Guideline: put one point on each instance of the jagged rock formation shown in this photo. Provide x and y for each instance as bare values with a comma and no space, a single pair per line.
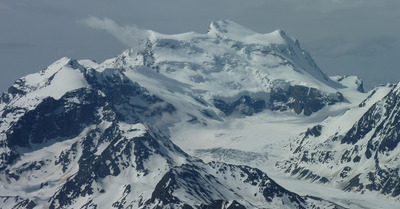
357,151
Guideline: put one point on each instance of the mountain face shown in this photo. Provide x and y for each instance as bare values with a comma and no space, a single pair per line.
358,151
231,70
85,135
95,146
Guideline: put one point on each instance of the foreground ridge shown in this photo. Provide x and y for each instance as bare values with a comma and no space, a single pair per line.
358,155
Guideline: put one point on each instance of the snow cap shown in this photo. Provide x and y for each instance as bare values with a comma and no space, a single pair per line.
227,29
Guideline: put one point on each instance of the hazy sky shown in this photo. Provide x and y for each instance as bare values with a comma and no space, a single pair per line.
345,37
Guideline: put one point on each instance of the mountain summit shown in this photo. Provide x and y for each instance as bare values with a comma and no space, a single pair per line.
230,30
231,62
139,130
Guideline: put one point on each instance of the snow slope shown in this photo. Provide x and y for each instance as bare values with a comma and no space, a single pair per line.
356,151
225,64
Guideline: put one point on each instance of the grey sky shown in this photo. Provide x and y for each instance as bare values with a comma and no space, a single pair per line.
352,37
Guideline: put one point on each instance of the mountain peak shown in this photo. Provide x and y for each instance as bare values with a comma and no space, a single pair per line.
227,26
227,29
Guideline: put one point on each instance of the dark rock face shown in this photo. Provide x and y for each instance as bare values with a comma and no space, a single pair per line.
302,99
245,105
314,131
60,118
53,119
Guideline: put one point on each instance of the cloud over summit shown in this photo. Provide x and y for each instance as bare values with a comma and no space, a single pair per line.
129,35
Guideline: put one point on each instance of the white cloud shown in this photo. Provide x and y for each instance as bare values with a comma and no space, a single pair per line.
129,35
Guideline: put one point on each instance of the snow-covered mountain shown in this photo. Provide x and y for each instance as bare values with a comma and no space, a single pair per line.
94,144
184,121
357,151
230,70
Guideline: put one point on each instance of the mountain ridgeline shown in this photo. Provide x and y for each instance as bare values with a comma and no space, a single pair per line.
80,134
360,155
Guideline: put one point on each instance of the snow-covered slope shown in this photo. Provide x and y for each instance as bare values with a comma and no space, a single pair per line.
357,151
231,69
126,133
